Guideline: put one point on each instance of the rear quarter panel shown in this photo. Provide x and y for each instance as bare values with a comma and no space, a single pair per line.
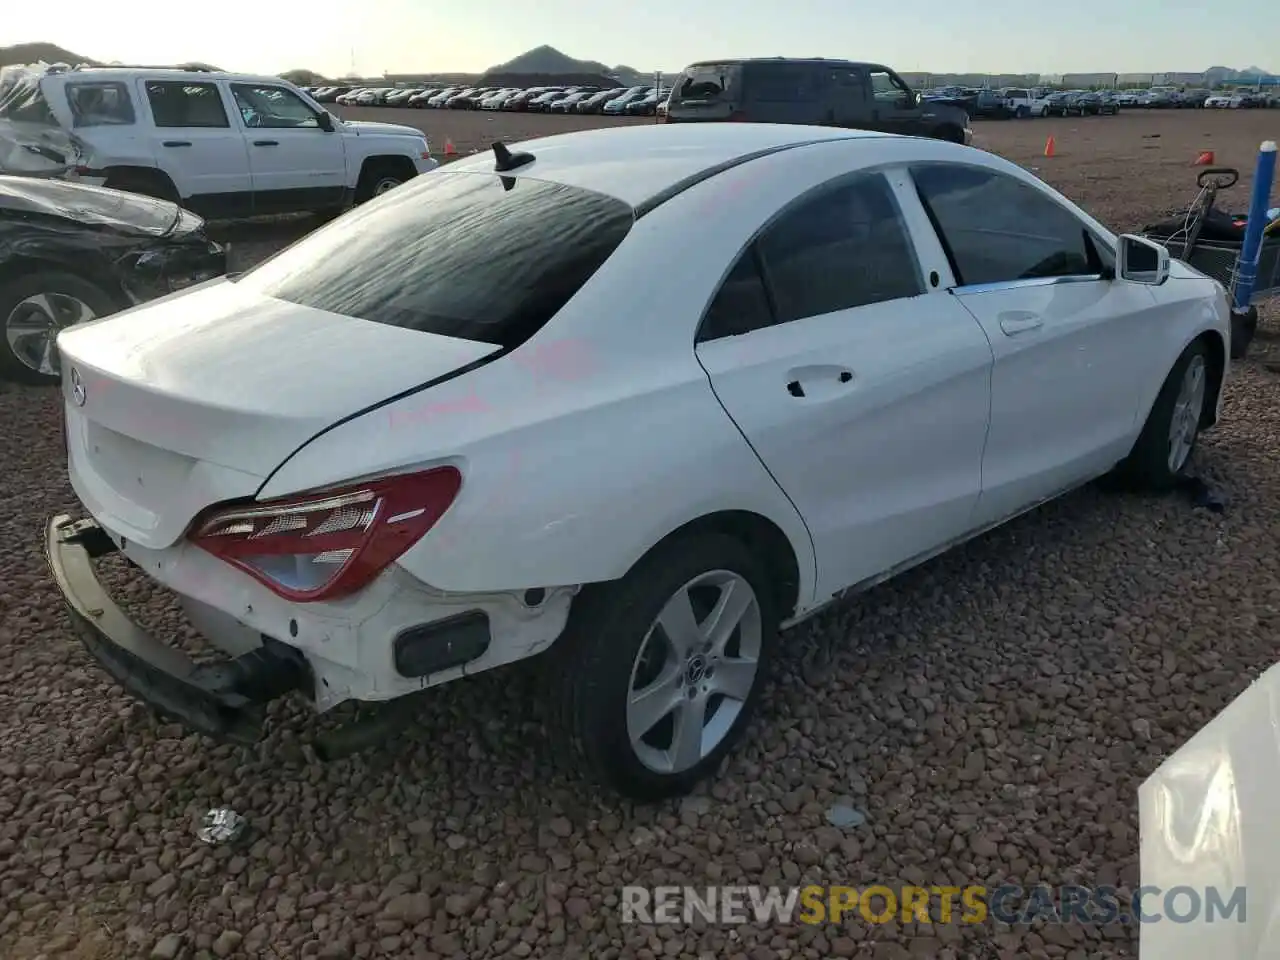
580,450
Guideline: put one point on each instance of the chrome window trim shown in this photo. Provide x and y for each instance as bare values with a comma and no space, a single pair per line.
1024,284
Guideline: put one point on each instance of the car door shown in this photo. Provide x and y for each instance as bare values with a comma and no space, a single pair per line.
894,108
1071,343
194,142
862,388
296,163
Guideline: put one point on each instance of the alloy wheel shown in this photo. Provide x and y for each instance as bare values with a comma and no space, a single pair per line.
33,325
1187,410
694,672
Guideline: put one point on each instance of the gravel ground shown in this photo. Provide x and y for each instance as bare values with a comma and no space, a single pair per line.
992,713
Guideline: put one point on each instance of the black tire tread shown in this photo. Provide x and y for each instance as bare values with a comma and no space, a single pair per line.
1147,467
577,665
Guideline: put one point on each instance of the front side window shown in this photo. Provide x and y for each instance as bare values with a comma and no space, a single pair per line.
272,107
455,254
998,229
843,247
887,88
180,103
99,104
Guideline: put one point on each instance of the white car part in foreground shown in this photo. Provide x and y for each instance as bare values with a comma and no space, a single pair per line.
1208,825
644,393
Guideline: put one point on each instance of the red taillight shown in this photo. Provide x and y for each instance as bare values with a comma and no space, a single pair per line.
328,544
738,116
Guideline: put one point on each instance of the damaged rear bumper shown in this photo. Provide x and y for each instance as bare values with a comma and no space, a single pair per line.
225,701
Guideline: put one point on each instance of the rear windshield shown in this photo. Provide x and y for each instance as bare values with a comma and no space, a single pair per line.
707,82
454,254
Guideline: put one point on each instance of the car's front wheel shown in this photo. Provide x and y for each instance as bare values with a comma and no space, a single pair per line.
658,673
1164,447
34,309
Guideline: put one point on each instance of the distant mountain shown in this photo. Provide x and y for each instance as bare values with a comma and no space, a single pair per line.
548,61
23,53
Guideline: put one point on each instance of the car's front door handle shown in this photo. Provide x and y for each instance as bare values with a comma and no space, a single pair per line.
177,143
1018,321
266,143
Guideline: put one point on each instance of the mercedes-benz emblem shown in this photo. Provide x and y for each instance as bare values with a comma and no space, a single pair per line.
77,388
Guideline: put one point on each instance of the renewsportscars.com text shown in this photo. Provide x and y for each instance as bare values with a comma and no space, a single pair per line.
1010,904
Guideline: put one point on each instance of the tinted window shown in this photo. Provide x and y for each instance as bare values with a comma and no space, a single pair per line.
99,104
783,83
887,88
741,305
706,81
178,103
453,254
999,229
844,247
266,106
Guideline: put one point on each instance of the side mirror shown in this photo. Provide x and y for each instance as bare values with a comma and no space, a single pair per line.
1140,260
325,120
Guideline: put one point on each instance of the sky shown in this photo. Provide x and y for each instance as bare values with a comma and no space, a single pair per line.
403,36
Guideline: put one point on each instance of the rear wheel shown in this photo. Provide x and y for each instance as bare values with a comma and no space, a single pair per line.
658,674
1169,436
34,308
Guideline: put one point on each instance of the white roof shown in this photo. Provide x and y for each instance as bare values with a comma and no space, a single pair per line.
635,163
163,73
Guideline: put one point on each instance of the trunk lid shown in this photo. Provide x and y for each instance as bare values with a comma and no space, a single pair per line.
198,396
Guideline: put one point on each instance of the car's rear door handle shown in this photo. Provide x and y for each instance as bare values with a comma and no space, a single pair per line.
266,143
1014,322
177,143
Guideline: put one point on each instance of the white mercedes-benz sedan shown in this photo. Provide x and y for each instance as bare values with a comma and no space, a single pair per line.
636,398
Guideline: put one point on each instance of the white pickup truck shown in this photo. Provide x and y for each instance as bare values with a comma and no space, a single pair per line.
223,145
1023,102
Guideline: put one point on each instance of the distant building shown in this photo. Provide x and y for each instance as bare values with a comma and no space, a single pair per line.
1084,80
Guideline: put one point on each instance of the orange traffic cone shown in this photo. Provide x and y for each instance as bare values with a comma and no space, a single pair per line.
1049,147
449,149
1204,160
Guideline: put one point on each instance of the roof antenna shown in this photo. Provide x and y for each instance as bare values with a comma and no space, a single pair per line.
508,160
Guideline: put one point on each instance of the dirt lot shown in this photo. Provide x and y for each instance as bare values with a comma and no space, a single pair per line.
992,714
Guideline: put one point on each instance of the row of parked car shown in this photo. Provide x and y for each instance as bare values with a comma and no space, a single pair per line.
619,101
1041,102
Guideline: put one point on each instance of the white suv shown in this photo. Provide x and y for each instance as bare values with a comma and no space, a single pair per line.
226,145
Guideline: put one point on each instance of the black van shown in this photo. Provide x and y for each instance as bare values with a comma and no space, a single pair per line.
835,93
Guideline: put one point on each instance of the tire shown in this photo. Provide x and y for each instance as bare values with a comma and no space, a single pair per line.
1022,113
1153,464
154,185
377,178
71,299
1044,111
613,640
949,134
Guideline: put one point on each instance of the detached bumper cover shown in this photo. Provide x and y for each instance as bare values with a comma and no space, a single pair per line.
206,698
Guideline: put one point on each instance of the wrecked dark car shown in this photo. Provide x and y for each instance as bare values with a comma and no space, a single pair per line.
70,253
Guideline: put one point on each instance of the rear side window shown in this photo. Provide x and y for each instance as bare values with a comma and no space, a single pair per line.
454,254
707,82
742,303
784,83
842,248
99,104
178,103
